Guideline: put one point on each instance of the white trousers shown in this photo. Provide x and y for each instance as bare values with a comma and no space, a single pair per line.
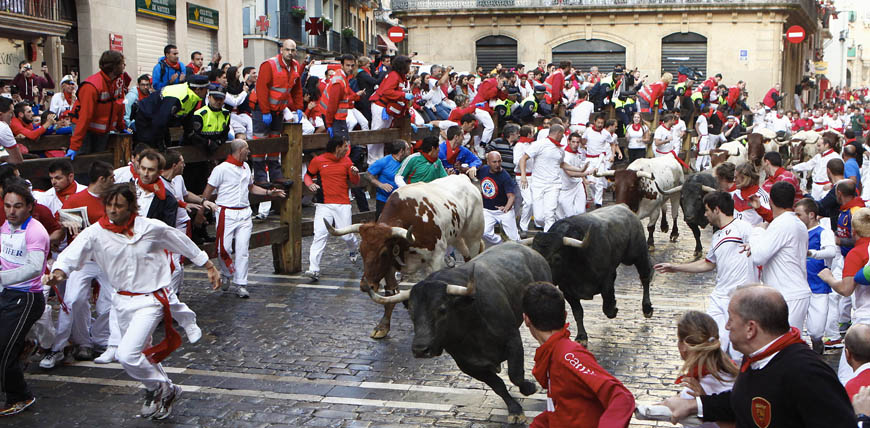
523,207
354,118
340,214
818,191
817,315
137,318
836,303
703,162
717,308
236,240
242,124
797,312
545,202
76,326
844,371
508,223
485,119
572,201
378,122
43,329
597,184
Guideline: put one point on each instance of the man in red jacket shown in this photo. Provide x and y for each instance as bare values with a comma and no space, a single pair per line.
279,86
99,107
734,94
327,176
339,98
22,123
772,165
579,391
489,90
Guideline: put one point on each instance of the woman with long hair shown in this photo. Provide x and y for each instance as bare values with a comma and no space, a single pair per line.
638,136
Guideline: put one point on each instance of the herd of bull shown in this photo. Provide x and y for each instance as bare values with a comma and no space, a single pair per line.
474,311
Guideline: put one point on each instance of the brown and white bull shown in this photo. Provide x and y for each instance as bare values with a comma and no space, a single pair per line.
641,186
419,222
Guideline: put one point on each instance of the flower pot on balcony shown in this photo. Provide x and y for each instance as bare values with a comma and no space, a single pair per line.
297,12
347,32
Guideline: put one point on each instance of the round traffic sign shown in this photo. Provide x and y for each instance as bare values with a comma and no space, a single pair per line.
396,34
795,34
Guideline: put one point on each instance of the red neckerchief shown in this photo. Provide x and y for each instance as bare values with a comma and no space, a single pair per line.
596,129
157,188
732,188
142,95
176,67
70,190
827,152
570,150
746,192
451,154
194,68
637,126
693,372
431,159
666,127
793,336
133,172
524,140
555,142
854,203
232,160
68,98
779,171
779,116
123,229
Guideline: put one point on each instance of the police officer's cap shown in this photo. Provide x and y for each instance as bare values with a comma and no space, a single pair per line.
540,89
215,90
198,81
513,90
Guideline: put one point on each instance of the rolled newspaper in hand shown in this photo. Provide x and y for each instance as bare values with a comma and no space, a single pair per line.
659,412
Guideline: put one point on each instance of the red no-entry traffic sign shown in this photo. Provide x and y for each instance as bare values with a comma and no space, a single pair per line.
795,34
396,34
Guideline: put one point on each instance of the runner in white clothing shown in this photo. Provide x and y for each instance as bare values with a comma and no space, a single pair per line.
663,138
549,158
818,164
781,251
701,127
572,196
596,139
523,208
733,268
581,112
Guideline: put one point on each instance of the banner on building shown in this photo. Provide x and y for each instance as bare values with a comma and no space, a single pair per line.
821,67
11,53
159,8
202,16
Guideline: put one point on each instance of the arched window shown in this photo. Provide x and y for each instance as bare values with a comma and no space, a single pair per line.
585,54
684,49
494,50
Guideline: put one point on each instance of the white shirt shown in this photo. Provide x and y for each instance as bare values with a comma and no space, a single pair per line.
581,112
744,211
124,174
596,142
58,104
733,268
519,151
679,129
548,162
635,138
7,138
144,200
832,122
818,164
50,200
573,159
666,135
701,126
781,251
435,95
177,187
780,124
136,264
232,184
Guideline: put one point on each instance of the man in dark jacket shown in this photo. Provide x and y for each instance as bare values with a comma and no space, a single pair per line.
782,382
364,81
29,84
152,195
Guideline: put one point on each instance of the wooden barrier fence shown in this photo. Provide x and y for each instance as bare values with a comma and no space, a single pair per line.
284,236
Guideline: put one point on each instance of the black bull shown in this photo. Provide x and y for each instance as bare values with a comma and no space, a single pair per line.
477,322
610,236
692,194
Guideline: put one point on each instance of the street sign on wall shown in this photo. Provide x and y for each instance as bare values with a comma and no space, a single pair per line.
159,8
116,42
202,16
795,34
396,34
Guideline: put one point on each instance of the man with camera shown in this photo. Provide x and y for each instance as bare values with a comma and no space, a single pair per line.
30,84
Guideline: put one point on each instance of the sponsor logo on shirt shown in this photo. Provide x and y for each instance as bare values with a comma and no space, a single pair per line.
761,412
573,361
489,188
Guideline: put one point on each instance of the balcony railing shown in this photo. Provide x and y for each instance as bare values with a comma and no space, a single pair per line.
352,45
44,9
809,6
291,28
334,41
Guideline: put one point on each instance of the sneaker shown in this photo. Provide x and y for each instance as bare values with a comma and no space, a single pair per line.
844,327
225,283
831,343
242,292
39,354
259,216
450,260
314,275
354,256
171,393
16,408
818,346
194,333
151,404
108,356
84,353
51,359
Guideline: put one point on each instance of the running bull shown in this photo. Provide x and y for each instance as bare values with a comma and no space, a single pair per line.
478,322
583,268
418,223
692,194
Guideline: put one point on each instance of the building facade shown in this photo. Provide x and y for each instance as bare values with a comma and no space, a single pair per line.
741,39
34,31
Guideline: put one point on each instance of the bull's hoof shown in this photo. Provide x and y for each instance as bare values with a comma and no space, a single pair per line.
582,339
674,238
611,312
647,311
665,228
698,254
651,247
516,419
528,388
380,332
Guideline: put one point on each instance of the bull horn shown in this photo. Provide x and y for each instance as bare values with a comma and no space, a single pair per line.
406,234
607,173
673,190
646,174
526,242
467,290
576,243
386,300
354,228
707,189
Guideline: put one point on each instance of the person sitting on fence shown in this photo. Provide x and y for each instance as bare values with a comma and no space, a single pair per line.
63,100
170,107
99,106
23,125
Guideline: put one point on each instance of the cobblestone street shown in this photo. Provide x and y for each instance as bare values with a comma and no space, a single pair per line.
298,354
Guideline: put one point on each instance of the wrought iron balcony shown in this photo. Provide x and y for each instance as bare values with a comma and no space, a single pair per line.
809,6
38,17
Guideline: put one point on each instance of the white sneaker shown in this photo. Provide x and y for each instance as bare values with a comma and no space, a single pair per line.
108,356
242,292
152,402
354,256
170,394
194,333
314,275
51,359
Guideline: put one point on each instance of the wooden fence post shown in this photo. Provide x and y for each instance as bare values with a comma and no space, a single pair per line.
652,130
405,131
287,256
121,148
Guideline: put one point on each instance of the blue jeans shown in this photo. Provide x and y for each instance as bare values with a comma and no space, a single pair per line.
442,111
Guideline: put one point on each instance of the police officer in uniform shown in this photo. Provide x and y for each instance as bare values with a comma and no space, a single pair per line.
172,106
504,107
211,123
524,111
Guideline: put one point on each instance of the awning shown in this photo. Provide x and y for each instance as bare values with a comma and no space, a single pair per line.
385,43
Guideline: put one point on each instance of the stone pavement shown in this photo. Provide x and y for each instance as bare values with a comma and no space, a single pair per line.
298,354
